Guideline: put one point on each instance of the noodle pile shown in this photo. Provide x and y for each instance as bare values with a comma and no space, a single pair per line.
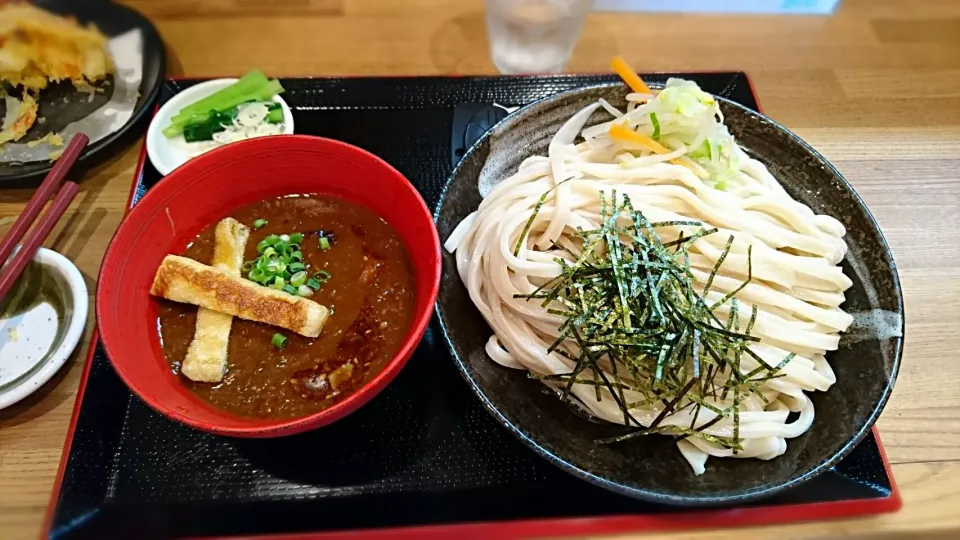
771,265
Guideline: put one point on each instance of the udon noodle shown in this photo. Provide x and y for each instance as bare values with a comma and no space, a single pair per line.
776,256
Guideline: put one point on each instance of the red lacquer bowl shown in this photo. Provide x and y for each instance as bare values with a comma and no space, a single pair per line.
205,190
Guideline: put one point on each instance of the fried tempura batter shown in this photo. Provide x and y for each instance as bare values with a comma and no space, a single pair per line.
38,47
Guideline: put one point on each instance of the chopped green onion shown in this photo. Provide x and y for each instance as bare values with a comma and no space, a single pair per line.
313,284
279,341
304,290
259,223
322,275
298,279
324,243
280,263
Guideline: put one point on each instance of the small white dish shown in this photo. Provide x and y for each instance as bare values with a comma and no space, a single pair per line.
168,154
40,334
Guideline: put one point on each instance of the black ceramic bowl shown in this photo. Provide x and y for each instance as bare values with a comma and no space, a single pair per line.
652,468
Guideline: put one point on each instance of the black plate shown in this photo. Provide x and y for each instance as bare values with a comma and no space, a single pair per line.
424,451
652,468
61,104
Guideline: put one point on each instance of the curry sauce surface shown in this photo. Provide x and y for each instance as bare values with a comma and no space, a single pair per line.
370,294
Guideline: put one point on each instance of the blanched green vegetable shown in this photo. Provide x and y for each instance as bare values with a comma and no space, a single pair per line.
254,86
247,85
275,114
216,122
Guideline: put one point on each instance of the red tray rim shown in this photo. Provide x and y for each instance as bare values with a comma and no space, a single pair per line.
531,528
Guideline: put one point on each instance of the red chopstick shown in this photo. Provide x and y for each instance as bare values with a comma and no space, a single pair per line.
30,244
46,190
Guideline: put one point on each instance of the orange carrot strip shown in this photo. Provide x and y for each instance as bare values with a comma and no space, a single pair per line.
623,134
629,76
620,133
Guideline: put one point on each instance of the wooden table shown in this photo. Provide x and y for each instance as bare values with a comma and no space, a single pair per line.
876,88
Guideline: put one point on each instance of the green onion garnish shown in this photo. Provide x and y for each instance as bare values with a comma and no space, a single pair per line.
259,223
279,341
267,242
280,265
304,290
324,243
298,279
322,275
313,284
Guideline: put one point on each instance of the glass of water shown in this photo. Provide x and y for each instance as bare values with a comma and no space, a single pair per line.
534,36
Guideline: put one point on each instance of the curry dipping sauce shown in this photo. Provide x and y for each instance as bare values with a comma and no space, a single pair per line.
369,291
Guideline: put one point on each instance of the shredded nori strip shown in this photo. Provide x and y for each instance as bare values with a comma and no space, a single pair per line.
632,310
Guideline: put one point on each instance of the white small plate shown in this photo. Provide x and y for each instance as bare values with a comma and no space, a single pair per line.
168,154
35,343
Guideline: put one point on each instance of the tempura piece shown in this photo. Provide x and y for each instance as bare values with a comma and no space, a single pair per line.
184,280
23,117
38,47
206,359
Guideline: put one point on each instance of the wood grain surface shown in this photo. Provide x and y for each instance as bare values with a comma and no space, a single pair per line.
875,88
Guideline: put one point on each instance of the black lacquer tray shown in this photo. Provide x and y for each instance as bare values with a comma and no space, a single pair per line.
423,459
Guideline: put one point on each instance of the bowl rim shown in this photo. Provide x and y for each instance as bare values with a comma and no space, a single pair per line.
644,494
288,426
77,290
155,140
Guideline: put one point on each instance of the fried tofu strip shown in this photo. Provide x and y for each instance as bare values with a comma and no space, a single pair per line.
185,280
206,359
